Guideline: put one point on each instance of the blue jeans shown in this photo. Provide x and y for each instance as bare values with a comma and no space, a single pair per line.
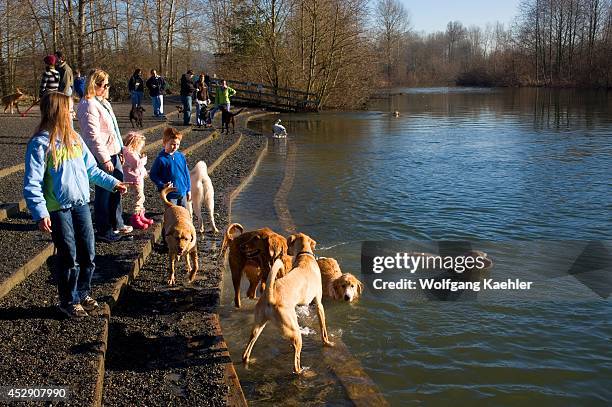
136,98
217,108
158,105
186,109
73,236
180,201
107,206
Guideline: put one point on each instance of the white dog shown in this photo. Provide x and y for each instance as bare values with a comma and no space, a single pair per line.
202,192
278,130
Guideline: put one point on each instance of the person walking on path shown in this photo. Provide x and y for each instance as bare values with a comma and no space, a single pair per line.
202,100
136,88
79,84
100,132
156,85
187,90
50,78
222,98
58,170
66,76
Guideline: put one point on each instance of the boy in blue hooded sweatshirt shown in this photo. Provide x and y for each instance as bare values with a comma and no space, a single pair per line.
170,167
58,170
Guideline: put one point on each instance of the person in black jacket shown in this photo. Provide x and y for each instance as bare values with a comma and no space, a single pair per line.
136,88
156,85
187,90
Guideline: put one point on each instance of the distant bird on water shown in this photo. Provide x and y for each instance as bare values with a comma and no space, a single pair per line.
278,130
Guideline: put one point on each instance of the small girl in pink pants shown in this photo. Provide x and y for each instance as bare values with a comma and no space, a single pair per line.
134,172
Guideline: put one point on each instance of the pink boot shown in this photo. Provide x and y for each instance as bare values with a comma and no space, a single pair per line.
137,222
145,220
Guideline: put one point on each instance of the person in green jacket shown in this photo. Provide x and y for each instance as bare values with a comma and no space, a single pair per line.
222,98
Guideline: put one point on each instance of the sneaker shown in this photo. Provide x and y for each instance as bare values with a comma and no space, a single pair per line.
124,230
89,304
73,310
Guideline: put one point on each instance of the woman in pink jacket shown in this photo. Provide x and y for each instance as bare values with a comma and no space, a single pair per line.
134,175
100,131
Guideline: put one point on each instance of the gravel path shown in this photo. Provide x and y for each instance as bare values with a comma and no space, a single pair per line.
37,346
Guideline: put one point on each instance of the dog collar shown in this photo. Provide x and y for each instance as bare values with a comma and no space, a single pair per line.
300,253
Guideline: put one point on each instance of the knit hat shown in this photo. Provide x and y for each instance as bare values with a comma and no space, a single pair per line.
131,136
50,60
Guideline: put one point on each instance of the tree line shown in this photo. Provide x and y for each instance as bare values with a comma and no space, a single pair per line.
549,43
338,50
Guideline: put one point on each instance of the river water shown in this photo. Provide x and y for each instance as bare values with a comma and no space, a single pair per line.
511,168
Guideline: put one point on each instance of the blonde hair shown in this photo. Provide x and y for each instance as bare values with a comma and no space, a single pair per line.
55,118
97,76
171,133
132,139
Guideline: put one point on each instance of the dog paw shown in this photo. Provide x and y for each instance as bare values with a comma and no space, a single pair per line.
329,344
171,281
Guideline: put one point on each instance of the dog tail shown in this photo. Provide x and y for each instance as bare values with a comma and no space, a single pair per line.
237,113
227,238
276,268
165,192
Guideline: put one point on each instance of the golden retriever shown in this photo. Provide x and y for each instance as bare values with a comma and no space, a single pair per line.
300,287
248,262
180,235
336,285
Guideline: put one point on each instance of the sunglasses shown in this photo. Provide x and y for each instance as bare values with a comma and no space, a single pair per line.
105,86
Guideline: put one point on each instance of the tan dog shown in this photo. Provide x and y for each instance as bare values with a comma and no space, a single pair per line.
300,287
202,192
10,101
248,263
336,285
180,234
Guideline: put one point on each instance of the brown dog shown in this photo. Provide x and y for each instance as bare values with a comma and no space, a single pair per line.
336,285
136,115
180,234
248,263
300,287
10,101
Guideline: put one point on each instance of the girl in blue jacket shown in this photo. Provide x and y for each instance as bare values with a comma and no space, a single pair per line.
58,168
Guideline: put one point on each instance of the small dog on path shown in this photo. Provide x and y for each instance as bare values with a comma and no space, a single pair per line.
136,115
180,235
12,101
202,192
227,117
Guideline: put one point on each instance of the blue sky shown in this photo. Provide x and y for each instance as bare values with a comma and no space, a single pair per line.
433,15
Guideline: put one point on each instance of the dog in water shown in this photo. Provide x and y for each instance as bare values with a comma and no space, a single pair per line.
301,286
136,115
180,235
202,192
338,285
227,117
12,101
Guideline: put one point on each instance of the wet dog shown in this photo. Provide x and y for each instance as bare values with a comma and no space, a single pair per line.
202,192
227,117
301,286
249,263
180,235
136,115
336,285
12,101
